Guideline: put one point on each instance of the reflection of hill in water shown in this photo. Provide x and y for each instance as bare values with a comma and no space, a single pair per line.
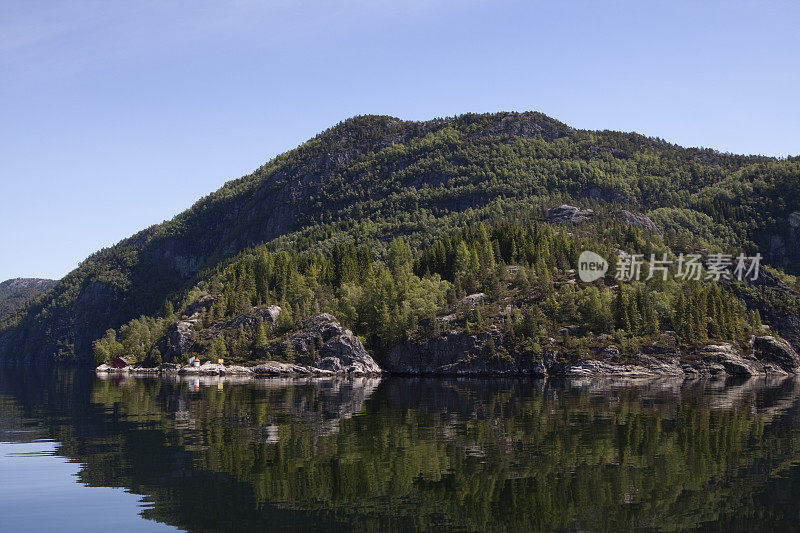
316,403
402,453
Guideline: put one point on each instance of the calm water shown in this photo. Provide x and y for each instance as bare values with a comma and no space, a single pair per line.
79,453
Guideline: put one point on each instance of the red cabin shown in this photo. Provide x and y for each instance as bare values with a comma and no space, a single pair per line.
121,362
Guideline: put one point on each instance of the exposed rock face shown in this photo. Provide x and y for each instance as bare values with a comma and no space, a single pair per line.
180,338
178,341
568,213
203,303
322,344
457,353
787,325
776,354
528,125
337,349
724,359
323,347
789,328
269,314
782,248
473,299
638,220
647,367
213,369
451,353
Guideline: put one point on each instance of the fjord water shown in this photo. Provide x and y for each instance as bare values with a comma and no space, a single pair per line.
207,454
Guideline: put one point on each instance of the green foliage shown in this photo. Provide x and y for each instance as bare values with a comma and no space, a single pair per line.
107,348
260,336
17,293
153,358
135,339
704,311
218,349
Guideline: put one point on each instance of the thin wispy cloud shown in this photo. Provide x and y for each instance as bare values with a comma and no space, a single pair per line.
42,41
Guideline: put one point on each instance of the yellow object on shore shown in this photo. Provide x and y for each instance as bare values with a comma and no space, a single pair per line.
221,361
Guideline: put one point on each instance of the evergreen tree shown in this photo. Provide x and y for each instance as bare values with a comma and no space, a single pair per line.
260,336
289,354
169,310
621,309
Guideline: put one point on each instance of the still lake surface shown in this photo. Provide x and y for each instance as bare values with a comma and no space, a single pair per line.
83,453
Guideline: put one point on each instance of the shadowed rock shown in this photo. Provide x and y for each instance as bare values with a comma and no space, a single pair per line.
332,347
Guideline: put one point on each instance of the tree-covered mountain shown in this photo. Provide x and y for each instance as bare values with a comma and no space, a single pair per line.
389,223
16,293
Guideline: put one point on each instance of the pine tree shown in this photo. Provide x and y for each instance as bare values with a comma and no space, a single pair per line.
479,322
285,321
400,261
634,315
221,348
544,279
289,352
153,358
260,336
215,287
530,324
621,309
523,281
755,321
169,310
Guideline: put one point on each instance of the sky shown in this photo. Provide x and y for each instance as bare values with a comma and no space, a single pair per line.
115,116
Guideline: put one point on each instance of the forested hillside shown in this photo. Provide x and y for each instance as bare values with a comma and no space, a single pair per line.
389,224
16,293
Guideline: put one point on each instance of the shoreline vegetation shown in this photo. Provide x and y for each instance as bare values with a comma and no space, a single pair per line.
341,353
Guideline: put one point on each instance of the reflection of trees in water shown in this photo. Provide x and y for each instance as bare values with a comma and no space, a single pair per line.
419,453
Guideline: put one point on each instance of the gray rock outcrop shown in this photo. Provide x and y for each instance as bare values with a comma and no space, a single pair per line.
450,353
473,299
178,341
637,220
332,347
782,247
203,303
776,355
568,213
461,354
268,313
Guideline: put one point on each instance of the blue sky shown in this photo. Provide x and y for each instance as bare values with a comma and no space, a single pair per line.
118,115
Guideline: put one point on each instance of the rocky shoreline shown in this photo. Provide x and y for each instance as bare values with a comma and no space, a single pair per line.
267,369
324,346
458,354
